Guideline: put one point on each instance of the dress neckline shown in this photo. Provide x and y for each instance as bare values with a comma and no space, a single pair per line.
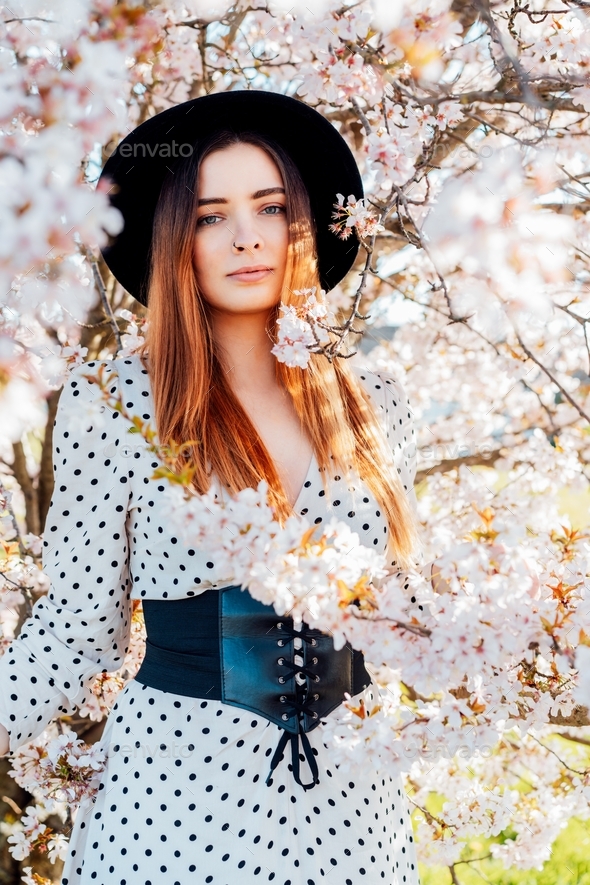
304,488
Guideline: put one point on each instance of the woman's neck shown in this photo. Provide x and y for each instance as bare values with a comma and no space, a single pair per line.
245,350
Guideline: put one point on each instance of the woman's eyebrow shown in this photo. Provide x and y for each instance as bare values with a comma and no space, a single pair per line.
255,196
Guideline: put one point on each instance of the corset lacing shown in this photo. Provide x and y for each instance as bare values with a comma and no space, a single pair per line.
299,704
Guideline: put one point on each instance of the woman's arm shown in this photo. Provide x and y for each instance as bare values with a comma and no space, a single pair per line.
398,422
401,435
82,626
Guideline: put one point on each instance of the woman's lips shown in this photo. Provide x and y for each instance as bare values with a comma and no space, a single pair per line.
250,275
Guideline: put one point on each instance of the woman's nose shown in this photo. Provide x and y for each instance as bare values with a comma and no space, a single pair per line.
246,241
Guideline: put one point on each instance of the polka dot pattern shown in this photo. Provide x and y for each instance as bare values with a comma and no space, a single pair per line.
185,794
183,797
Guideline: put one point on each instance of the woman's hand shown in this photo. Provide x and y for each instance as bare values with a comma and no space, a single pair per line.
439,585
4,741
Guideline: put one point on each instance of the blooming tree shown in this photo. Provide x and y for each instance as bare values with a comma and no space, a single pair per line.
469,123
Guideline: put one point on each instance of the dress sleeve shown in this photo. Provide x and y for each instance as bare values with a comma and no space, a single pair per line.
82,626
401,434
399,421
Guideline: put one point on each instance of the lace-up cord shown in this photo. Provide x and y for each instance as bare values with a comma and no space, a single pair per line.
297,708
297,668
292,633
294,738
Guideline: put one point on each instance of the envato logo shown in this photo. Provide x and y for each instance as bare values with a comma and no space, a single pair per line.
442,150
456,451
167,149
446,751
124,451
140,750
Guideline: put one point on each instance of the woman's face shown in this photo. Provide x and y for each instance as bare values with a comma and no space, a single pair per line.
241,236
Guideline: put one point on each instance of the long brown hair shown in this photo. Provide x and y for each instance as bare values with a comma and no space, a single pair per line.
192,396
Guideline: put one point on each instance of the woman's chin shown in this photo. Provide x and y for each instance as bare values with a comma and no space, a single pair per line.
248,298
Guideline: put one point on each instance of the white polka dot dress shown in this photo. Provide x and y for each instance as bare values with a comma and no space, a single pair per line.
183,798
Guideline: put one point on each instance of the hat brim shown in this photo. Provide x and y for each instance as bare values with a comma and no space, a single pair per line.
322,156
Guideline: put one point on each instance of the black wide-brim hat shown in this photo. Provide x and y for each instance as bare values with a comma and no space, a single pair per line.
324,160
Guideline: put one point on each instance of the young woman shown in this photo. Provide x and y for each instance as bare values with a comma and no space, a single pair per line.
200,785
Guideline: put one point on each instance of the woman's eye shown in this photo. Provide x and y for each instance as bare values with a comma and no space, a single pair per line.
210,220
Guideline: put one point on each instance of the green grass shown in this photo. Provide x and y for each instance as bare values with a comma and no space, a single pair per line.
569,864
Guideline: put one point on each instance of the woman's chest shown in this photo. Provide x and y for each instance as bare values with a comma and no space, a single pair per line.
283,435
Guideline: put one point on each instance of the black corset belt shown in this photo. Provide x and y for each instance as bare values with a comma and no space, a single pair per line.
224,645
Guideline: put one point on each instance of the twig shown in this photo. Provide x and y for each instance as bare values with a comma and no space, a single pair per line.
552,378
99,282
